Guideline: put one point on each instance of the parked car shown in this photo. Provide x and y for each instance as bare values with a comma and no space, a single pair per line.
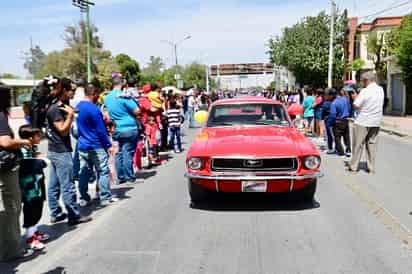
250,144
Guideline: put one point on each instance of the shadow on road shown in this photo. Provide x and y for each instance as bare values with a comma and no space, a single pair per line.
57,270
11,267
258,202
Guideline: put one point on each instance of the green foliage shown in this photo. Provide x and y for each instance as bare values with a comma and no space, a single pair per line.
9,76
404,51
35,60
357,64
377,48
304,49
104,72
71,61
153,70
129,67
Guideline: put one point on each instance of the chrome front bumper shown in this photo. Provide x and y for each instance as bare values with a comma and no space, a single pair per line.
254,178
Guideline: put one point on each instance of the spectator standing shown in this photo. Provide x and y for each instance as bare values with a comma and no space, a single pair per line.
123,112
175,121
369,104
31,178
10,195
339,114
79,96
191,107
94,148
329,97
308,111
319,125
60,118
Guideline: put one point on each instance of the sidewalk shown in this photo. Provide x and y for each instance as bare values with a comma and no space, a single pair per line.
401,126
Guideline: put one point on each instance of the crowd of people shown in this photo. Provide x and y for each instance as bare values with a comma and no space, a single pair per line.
112,132
115,130
327,115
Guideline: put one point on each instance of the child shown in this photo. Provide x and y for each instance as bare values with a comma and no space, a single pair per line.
175,120
31,179
152,133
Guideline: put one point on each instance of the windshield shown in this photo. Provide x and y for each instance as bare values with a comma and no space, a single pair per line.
248,114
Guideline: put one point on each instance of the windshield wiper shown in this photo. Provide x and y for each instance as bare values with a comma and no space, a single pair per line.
268,123
222,124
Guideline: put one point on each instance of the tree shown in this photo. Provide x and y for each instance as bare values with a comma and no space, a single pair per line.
8,76
357,65
304,49
194,75
377,49
404,51
104,72
153,70
128,66
34,60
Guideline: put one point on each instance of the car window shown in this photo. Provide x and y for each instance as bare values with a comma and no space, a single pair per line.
248,114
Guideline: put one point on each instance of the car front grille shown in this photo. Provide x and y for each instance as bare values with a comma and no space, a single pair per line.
267,164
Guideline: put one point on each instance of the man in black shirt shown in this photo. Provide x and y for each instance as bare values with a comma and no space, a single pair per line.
59,119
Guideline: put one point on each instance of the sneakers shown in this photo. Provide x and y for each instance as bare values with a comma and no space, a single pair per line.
331,152
178,151
42,237
109,201
35,244
84,203
135,181
81,220
58,219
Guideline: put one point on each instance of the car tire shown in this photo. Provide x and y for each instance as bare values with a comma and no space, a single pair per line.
197,193
308,193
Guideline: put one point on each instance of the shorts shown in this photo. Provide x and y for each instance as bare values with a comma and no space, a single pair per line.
318,114
309,121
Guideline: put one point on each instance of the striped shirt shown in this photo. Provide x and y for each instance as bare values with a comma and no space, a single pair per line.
174,117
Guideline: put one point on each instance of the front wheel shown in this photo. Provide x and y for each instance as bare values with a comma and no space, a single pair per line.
197,193
308,193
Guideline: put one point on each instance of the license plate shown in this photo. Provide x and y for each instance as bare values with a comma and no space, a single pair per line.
254,186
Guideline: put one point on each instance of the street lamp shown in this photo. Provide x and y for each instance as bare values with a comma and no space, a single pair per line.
174,45
84,6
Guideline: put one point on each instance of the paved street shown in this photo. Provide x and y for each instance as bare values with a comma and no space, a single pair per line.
359,224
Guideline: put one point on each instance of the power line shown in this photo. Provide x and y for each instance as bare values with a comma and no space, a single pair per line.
391,7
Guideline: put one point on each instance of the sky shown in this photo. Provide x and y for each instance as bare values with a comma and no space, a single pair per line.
222,31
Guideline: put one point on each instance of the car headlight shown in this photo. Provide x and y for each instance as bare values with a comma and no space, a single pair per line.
312,162
195,163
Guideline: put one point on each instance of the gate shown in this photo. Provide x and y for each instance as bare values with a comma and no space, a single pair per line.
397,94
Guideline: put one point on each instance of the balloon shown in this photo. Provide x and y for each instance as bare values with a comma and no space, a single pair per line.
201,116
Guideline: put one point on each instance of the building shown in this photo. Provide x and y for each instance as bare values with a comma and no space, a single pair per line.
356,42
356,47
21,89
252,75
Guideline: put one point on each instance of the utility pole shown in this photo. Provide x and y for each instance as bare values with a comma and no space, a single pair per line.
84,6
174,47
331,44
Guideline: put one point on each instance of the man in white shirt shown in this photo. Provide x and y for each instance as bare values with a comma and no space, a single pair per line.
369,104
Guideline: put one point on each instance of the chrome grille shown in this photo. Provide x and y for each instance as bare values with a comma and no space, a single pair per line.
254,164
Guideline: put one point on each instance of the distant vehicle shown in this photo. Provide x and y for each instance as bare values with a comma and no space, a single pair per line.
249,144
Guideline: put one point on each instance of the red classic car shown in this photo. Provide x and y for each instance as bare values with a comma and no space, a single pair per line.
250,144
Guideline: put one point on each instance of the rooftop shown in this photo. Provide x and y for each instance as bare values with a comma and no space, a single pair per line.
19,82
381,22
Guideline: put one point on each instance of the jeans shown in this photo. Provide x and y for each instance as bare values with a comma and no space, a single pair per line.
329,135
174,134
61,181
124,158
10,207
191,117
76,166
99,158
341,129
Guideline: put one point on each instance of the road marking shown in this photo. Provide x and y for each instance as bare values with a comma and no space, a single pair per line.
399,230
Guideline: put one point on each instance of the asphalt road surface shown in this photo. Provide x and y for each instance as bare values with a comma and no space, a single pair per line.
153,229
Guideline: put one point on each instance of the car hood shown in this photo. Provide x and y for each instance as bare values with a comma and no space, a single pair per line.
259,141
